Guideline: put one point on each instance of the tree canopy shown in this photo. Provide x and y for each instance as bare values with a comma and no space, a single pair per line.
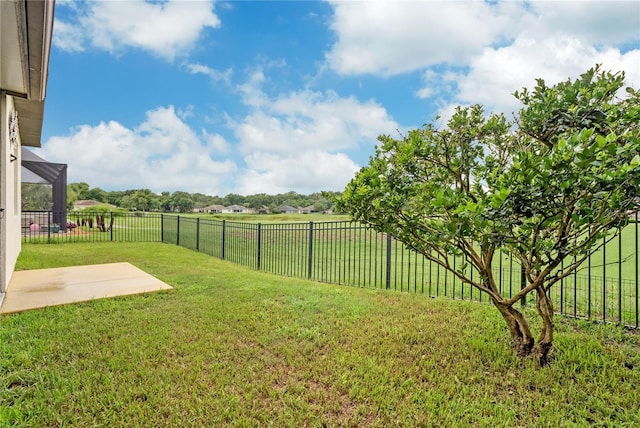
180,201
551,186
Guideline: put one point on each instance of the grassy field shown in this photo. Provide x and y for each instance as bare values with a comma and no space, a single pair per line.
234,347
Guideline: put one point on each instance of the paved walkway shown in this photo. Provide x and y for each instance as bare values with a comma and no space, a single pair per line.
32,289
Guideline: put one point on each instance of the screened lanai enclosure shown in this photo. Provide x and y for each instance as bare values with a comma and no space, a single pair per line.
44,183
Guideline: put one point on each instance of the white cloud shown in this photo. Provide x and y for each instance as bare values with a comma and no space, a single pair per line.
437,83
297,141
388,38
162,154
212,73
495,74
68,37
482,52
307,120
217,142
251,93
304,172
595,22
167,30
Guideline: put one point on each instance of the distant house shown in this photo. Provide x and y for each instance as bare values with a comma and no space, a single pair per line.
286,209
308,210
263,210
213,209
236,209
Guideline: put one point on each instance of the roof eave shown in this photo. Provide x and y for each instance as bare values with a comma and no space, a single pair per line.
38,24
35,29
40,30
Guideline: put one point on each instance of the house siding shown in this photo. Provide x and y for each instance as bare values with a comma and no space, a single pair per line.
10,193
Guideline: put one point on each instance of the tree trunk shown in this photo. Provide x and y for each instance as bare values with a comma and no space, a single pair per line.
518,327
545,341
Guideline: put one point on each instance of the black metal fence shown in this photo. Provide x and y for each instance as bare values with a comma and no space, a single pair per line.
606,287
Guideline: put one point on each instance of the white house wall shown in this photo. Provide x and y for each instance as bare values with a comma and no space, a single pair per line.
10,190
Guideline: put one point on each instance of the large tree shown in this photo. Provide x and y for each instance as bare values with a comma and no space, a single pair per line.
79,189
141,200
553,186
181,202
96,194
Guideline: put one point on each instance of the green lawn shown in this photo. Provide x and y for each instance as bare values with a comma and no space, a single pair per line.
232,346
346,253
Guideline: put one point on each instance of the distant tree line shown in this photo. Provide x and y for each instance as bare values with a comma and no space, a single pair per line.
179,201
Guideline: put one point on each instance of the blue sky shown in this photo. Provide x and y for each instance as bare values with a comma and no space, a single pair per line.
268,97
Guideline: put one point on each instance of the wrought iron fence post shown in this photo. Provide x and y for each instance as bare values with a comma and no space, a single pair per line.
604,279
310,258
619,276
198,234
259,243
178,231
224,227
48,227
388,279
523,285
162,227
636,266
111,225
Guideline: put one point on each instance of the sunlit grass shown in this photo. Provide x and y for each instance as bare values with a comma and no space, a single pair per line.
232,346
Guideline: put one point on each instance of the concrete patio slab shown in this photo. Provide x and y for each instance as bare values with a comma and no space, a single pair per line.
32,289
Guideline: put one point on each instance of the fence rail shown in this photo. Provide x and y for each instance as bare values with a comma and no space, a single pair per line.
605,289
